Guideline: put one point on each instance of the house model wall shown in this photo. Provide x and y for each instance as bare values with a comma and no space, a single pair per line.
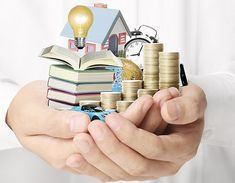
109,31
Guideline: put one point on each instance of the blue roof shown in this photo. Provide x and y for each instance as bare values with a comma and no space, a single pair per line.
104,21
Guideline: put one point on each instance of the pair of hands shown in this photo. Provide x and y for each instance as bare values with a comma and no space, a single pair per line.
154,137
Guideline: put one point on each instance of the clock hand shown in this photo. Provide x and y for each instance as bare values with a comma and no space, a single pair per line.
140,50
137,54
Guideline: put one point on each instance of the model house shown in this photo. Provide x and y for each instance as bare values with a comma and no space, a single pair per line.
109,31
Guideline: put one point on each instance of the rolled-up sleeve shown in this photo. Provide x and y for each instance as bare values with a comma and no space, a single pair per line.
8,90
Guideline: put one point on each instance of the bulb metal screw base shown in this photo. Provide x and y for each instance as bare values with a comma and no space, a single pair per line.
80,42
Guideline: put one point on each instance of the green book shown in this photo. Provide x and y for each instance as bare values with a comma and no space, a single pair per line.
75,88
67,73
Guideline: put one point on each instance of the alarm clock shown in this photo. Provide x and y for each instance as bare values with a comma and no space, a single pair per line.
133,48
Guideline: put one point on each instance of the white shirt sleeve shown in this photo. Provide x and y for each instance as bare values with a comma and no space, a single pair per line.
218,141
8,90
220,114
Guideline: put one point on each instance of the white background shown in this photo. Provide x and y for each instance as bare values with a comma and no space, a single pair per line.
201,30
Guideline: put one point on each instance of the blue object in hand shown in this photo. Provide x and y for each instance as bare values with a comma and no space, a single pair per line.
94,112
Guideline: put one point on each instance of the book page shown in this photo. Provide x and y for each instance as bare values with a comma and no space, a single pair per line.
63,55
99,58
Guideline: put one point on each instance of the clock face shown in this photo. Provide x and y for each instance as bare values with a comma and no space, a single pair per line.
134,50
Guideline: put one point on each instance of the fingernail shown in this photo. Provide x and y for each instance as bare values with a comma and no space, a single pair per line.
77,126
83,145
97,132
173,110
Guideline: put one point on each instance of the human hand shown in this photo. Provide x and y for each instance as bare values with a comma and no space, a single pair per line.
45,131
124,152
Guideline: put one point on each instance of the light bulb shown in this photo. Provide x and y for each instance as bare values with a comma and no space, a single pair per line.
80,19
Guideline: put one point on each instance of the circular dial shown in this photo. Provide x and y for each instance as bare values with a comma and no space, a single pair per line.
133,50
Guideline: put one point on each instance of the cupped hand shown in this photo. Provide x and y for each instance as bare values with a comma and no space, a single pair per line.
123,151
47,132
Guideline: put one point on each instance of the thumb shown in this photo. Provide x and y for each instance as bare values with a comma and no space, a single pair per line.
187,108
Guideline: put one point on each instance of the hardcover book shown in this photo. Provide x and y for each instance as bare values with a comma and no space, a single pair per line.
72,59
79,87
65,72
59,105
70,98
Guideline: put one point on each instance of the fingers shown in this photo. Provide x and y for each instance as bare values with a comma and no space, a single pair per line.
163,95
56,152
172,147
87,147
79,165
136,111
30,115
185,109
63,124
153,121
129,160
53,150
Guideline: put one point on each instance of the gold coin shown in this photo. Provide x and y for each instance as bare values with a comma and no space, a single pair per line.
142,92
89,102
169,63
156,46
169,70
123,105
152,87
150,55
165,87
168,80
169,55
108,95
129,96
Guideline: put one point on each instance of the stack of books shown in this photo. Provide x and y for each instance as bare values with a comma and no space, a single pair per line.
78,78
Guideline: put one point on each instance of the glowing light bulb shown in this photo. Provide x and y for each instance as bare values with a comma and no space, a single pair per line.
80,19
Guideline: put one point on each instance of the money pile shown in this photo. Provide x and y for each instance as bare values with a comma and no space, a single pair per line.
109,99
123,105
89,102
142,92
168,70
130,88
151,65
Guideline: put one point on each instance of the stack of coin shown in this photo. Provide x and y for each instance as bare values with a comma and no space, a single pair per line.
142,92
168,70
108,99
130,88
89,102
151,65
123,105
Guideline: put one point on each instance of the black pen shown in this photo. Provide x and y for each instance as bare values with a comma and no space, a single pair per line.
183,77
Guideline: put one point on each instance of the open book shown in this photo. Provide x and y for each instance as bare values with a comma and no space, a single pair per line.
90,60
